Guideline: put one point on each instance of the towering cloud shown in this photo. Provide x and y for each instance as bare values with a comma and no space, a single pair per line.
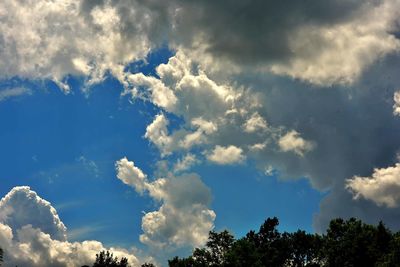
32,235
183,218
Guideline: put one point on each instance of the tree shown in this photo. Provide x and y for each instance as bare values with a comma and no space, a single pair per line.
1,256
213,255
305,249
353,243
107,259
348,243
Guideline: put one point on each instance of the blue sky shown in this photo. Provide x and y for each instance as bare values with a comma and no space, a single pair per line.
139,126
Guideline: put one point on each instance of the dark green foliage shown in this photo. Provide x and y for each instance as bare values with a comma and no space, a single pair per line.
106,259
348,243
358,244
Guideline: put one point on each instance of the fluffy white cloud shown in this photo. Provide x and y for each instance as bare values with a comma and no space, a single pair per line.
396,106
32,235
157,133
383,187
226,155
69,37
183,218
160,95
129,174
255,123
292,141
31,247
22,206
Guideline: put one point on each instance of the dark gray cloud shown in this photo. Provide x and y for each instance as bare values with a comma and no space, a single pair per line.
354,130
254,31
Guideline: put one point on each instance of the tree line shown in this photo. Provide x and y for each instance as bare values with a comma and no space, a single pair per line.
346,243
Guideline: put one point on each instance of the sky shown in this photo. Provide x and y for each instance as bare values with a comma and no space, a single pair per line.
140,126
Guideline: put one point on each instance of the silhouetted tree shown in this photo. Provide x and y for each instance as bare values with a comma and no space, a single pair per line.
353,243
106,259
1,256
305,249
148,265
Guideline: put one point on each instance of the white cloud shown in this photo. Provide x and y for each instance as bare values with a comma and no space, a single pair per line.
255,123
131,175
14,92
157,133
32,235
67,39
31,247
396,106
383,187
160,95
22,206
339,53
292,141
183,218
226,155
185,163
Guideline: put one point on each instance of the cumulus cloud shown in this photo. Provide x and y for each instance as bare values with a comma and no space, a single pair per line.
32,235
226,155
323,43
131,175
157,133
396,106
292,141
183,218
383,187
22,206
255,123
70,37
160,95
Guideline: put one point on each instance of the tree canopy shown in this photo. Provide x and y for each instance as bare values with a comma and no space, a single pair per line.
347,243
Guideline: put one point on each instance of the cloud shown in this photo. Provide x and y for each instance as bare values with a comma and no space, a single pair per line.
183,218
396,106
131,175
22,206
292,141
70,37
226,155
14,92
255,123
322,43
32,235
383,187
160,95
157,133
185,163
